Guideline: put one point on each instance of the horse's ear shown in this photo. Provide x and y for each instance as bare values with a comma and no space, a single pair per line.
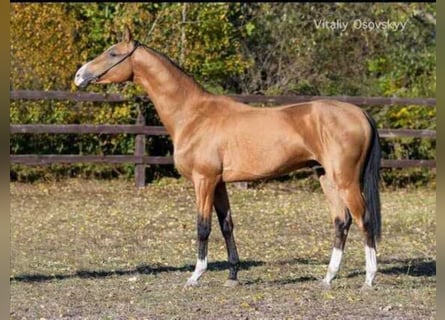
127,37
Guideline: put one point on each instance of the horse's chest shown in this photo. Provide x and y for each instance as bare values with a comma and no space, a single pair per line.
197,157
183,165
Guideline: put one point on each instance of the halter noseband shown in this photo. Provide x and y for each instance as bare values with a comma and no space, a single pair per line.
136,45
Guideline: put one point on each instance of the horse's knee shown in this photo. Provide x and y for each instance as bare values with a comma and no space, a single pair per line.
204,229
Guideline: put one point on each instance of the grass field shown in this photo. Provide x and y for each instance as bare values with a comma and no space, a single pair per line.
105,250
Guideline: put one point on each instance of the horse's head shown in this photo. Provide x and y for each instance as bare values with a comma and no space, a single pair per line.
112,66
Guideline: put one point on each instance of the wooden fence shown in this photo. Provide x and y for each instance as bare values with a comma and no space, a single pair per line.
141,130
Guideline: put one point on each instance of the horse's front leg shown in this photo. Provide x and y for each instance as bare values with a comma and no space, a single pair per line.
204,191
222,208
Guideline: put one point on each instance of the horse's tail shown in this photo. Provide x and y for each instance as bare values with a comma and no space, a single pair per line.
370,183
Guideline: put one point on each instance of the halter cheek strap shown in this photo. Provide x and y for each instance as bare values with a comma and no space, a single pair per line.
136,45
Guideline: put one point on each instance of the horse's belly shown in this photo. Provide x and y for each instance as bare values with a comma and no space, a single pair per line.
249,173
245,164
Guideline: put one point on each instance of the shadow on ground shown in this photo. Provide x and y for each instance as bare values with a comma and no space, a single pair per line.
141,269
412,267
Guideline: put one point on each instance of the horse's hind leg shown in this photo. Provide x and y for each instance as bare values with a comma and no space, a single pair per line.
354,200
222,208
342,221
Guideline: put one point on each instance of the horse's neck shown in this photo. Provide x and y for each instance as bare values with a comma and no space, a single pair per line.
174,94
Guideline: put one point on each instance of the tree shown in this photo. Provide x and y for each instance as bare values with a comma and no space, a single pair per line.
262,48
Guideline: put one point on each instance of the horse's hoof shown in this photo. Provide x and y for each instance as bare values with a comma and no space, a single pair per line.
231,283
366,287
325,285
191,283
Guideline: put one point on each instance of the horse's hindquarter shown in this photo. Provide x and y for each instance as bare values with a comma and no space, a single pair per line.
343,133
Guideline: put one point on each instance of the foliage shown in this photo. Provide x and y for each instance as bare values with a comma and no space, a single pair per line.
262,48
293,55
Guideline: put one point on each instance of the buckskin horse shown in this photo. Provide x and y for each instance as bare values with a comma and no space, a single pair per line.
218,140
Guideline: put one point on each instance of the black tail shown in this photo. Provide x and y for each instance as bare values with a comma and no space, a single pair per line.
370,183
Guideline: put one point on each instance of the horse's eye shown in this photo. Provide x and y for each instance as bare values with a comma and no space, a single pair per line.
113,54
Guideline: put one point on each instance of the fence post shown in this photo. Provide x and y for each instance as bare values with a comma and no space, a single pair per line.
139,150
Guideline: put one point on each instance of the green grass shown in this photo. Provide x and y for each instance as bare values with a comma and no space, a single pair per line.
106,250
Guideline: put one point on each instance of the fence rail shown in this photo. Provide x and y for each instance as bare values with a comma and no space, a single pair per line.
38,159
35,159
160,131
141,130
115,97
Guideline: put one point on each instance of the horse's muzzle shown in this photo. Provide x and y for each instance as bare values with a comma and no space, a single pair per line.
83,78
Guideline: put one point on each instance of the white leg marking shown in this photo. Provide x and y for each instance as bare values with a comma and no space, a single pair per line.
200,268
334,265
371,265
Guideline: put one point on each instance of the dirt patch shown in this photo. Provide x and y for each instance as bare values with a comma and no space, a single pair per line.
105,250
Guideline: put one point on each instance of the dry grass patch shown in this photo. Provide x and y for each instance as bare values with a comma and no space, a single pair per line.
105,250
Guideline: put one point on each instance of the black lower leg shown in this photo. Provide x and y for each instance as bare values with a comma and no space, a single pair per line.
369,240
369,235
204,228
226,224
341,230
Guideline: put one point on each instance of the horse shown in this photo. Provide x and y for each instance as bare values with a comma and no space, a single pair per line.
218,140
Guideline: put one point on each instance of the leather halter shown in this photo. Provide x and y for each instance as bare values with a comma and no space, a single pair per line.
136,45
